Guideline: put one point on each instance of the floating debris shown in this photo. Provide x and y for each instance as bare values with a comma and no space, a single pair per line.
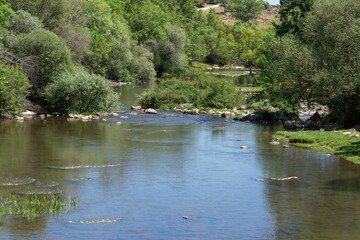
96,221
10,181
84,166
186,217
278,179
244,147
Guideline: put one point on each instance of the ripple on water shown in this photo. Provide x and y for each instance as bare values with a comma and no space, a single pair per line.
11,181
83,166
95,221
40,192
46,184
89,178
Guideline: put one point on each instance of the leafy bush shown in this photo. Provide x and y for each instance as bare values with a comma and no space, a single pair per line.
5,13
48,53
24,22
80,91
204,91
13,89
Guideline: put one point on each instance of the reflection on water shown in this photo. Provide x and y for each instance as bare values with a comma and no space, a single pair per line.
137,180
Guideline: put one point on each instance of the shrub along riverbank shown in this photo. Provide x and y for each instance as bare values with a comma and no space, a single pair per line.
202,92
341,143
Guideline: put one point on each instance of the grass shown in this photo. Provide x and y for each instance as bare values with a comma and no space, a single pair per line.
341,143
34,205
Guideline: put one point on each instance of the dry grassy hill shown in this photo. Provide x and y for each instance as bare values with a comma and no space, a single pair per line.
266,18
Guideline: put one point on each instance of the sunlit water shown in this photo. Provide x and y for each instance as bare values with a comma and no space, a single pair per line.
174,176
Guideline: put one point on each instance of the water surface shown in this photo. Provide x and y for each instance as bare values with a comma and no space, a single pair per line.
174,176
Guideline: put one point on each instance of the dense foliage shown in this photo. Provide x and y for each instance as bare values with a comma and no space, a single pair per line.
204,91
79,91
122,41
245,10
13,89
321,63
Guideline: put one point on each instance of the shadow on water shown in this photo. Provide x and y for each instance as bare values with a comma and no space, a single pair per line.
349,185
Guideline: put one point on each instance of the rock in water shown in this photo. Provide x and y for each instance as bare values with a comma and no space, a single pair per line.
137,108
151,111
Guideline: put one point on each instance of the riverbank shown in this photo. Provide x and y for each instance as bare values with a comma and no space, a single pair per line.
345,143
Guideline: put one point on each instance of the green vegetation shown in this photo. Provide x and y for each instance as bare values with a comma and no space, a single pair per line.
13,89
81,91
121,41
343,144
34,205
320,63
203,92
245,10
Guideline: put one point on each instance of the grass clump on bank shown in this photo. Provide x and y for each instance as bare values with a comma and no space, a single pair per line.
341,143
34,205
202,92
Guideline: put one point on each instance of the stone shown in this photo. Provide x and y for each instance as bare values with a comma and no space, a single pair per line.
275,142
285,146
223,115
113,114
313,123
28,113
333,126
293,124
20,119
151,111
137,108
42,116
85,118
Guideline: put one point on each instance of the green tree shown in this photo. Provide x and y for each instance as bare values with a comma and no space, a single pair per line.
333,32
324,66
79,91
292,16
24,22
48,54
289,69
5,13
245,10
250,45
51,13
13,89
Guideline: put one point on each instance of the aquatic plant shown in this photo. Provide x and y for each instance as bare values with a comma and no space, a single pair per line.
32,205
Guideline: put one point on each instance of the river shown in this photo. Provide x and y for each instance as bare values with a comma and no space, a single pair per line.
174,176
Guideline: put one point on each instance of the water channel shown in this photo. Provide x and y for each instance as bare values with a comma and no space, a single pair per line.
174,176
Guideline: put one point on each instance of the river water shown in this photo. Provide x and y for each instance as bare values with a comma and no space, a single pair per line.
174,176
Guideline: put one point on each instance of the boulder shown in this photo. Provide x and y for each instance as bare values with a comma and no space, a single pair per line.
357,127
28,113
313,123
5,115
333,126
20,119
151,111
137,108
113,114
293,124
